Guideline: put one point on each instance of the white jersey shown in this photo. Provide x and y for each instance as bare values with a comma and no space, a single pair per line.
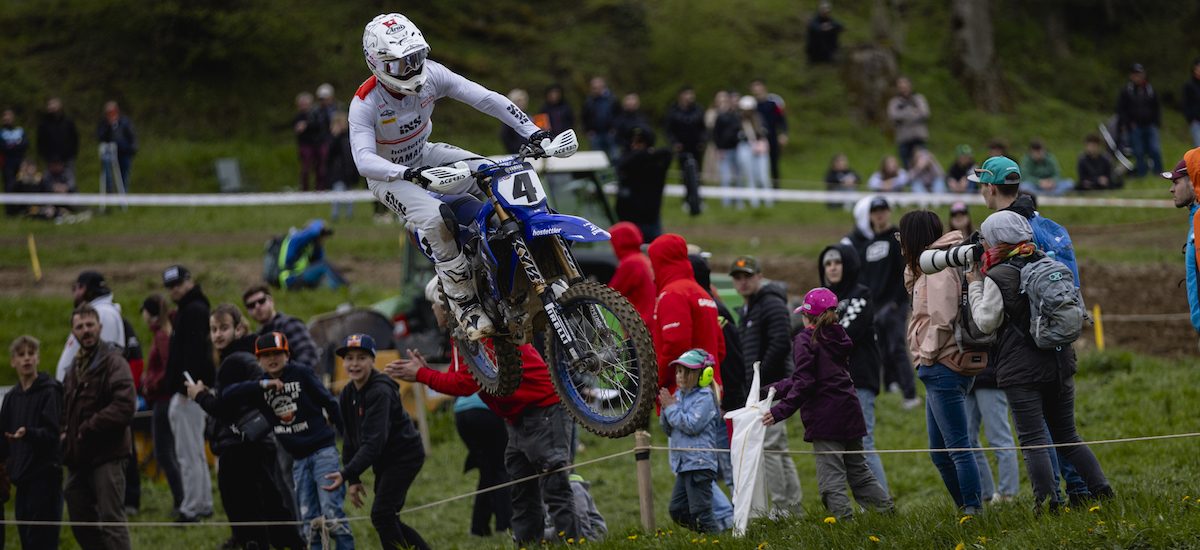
388,132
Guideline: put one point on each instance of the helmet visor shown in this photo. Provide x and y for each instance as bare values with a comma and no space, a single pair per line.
406,66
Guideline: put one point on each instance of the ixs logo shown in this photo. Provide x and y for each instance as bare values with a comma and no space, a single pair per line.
547,231
410,125
390,200
521,117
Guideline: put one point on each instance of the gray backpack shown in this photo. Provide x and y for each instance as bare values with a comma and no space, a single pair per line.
1055,307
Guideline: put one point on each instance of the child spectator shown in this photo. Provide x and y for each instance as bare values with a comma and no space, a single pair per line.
821,389
1042,173
688,418
963,166
1094,169
295,403
926,175
380,436
31,421
890,177
840,177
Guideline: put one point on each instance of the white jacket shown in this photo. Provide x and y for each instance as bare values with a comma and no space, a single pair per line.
112,330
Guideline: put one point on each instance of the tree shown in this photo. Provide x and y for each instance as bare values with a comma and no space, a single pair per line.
973,55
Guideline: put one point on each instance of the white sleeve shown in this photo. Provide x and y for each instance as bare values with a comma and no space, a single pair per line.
452,85
362,145
67,358
112,328
987,305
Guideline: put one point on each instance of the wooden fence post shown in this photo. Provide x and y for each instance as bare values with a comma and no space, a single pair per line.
641,455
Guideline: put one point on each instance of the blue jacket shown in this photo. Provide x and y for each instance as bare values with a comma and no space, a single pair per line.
1193,290
300,241
689,423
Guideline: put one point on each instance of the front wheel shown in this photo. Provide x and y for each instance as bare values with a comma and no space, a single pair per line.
610,390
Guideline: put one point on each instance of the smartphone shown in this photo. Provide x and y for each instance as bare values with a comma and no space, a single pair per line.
188,375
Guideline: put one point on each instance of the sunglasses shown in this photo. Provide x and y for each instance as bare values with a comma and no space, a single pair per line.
255,303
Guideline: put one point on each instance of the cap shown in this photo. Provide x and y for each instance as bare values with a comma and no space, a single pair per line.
997,171
747,103
92,280
817,301
832,254
1179,172
357,341
695,359
963,149
1006,227
1137,68
273,341
880,203
325,90
745,264
174,275
959,207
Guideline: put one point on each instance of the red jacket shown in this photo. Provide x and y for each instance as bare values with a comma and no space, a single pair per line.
634,277
685,316
536,389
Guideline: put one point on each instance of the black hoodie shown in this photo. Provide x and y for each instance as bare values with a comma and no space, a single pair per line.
238,364
857,313
765,332
39,411
190,348
883,262
379,433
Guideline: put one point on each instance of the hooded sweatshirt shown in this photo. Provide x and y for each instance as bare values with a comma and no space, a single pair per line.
39,410
821,387
379,433
535,390
190,347
685,316
297,413
238,364
1192,158
857,314
935,303
634,277
882,261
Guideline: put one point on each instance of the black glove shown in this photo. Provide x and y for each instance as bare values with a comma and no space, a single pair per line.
414,175
533,145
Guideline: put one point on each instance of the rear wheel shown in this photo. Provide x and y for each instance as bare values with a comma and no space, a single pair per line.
611,389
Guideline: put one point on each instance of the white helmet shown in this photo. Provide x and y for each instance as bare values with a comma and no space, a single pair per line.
395,51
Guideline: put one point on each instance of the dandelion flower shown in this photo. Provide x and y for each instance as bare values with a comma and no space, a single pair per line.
982,540
1100,522
959,546
831,520
1094,509
873,538
632,537
715,541
964,519
762,545
571,541
1186,498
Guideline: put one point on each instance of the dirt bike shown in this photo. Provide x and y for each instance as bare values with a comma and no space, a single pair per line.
599,351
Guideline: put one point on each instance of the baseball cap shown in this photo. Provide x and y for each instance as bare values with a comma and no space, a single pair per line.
745,264
91,280
357,341
174,275
997,171
1179,172
695,359
879,203
963,149
959,207
817,301
1137,68
272,341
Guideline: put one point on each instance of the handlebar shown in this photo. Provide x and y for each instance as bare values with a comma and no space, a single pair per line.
563,145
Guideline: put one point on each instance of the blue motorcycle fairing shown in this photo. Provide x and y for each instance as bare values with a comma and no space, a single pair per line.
540,223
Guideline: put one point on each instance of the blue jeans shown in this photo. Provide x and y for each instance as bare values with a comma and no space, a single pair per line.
921,188
309,473
1145,149
1061,187
342,209
866,399
316,272
727,165
946,420
722,508
1063,470
692,500
125,163
1194,128
755,172
989,407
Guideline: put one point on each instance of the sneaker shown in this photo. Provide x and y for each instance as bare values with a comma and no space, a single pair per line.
893,387
184,518
910,404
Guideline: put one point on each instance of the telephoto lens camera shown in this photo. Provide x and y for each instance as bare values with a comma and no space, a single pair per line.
933,261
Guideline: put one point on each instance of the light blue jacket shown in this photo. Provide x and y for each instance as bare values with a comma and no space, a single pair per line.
1193,290
689,424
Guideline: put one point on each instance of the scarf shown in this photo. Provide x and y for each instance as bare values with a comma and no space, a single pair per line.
1003,252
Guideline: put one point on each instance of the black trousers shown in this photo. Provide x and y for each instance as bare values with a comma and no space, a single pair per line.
246,479
133,478
486,438
891,322
391,490
539,442
40,497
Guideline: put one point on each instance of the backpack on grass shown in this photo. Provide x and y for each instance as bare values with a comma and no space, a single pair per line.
1055,307
271,251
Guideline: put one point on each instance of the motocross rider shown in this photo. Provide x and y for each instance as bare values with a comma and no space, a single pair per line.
390,124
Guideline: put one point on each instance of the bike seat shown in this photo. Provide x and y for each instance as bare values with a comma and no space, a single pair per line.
464,207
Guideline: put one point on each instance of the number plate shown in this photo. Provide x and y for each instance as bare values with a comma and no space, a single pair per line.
521,188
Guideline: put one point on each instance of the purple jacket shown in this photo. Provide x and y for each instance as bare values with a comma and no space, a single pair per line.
821,387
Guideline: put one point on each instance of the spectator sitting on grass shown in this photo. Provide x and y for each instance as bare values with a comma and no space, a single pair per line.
890,177
926,175
1094,169
963,166
1042,173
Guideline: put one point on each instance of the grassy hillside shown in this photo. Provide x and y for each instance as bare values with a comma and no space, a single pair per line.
215,79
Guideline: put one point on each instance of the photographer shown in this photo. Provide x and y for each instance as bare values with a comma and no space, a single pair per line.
1039,382
935,302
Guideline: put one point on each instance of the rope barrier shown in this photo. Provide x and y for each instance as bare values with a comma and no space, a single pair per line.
672,190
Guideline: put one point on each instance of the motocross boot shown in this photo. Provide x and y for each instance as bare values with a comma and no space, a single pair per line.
459,287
